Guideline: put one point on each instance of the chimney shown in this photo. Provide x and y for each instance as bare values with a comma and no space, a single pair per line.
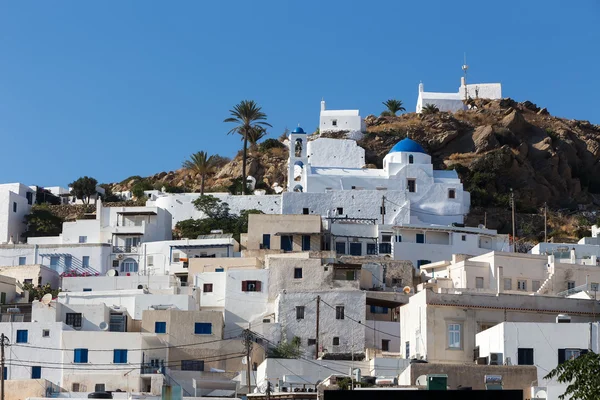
322,104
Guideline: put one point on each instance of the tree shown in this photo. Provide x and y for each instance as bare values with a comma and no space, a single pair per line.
582,374
84,188
393,106
255,135
200,163
42,222
212,207
139,187
37,292
247,115
429,109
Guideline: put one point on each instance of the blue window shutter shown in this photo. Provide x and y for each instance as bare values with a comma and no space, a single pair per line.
120,356
160,327
81,355
36,372
21,336
203,328
5,373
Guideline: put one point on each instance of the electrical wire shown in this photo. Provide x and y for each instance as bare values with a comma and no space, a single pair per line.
360,323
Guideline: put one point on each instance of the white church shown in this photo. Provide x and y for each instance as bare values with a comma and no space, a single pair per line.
452,102
323,170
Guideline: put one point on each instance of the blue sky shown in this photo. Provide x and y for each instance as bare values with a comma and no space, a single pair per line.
112,89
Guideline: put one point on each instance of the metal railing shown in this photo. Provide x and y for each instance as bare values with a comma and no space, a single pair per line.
591,288
125,249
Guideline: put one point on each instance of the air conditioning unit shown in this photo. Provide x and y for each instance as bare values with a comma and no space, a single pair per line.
496,359
563,319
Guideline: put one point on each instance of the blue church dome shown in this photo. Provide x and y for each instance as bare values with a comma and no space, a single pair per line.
298,130
407,146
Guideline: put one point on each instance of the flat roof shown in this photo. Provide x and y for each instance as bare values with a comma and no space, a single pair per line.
144,212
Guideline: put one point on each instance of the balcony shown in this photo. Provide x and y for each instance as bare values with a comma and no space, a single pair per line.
125,249
152,368
129,229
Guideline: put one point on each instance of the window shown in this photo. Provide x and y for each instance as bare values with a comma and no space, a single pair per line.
535,285
3,297
570,285
411,159
507,284
100,387
219,269
29,196
521,285
36,372
251,286
266,242
340,247
479,282
160,327
87,289
286,242
305,242
305,211
176,257
420,237
14,206
385,248
192,365
386,238
115,263
120,356
82,239
311,342
463,238
412,185
422,262
334,122
130,265
207,288
385,345
399,238
339,312
203,328
379,310
299,312
117,322
525,357
74,320
336,341
68,262
54,262
397,281
594,287
22,260
381,210
45,332
297,273
454,336
22,335
355,249
81,356
451,193
568,354
371,249
85,261
407,350
340,211
150,261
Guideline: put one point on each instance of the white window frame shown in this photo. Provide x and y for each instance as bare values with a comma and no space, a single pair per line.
522,284
82,239
454,336
478,280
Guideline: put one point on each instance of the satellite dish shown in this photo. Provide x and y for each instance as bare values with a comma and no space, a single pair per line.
406,289
244,360
541,394
421,380
111,272
46,299
103,325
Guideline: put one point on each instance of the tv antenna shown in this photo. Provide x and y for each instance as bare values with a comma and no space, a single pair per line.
465,67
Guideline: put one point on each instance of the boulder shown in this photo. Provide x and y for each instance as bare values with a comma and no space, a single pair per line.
484,139
515,122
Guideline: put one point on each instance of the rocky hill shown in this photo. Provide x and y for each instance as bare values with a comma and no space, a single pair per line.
495,146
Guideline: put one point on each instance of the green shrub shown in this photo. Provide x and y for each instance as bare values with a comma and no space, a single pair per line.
270,144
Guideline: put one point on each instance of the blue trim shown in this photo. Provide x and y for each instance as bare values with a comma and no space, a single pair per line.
407,146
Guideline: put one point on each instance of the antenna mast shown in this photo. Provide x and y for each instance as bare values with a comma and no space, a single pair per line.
465,67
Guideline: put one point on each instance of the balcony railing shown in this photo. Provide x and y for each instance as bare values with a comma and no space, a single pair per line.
125,249
152,369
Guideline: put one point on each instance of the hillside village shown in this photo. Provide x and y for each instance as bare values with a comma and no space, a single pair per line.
374,251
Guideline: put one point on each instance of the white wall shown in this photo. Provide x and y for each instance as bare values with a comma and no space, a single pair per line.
326,152
11,222
376,331
20,357
243,307
109,283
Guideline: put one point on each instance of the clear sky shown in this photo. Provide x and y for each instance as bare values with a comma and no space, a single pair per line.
112,89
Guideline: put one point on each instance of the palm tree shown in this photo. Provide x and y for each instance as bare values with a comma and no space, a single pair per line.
202,164
255,135
429,109
393,106
248,116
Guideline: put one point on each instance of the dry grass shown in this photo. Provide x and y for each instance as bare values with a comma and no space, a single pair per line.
462,156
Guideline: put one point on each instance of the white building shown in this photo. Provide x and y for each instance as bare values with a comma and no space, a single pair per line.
586,251
16,200
453,102
341,120
545,345
67,198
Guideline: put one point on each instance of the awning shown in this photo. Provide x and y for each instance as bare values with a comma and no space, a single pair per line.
127,233
144,212
199,246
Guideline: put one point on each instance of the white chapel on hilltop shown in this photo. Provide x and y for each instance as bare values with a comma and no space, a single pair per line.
335,169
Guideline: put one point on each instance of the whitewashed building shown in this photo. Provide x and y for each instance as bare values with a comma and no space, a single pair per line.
545,345
16,200
67,198
341,120
586,251
452,102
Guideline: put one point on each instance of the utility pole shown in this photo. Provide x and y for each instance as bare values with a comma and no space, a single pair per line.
545,223
485,219
317,335
3,339
268,390
512,204
247,340
382,210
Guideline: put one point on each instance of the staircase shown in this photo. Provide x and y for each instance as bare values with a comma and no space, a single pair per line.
547,285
